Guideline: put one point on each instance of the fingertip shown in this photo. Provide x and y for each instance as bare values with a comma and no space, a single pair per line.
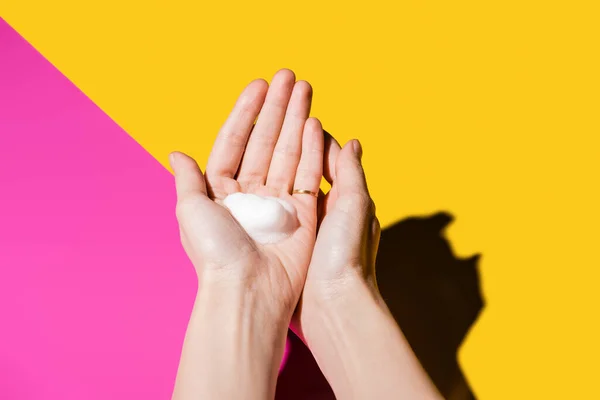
253,96
175,160
189,178
285,74
304,88
255,90
301,100
345,156
172,157
349,172
259,83
313,140
181,161
357,147
314,124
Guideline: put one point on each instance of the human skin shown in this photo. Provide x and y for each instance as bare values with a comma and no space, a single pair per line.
342,317
248,293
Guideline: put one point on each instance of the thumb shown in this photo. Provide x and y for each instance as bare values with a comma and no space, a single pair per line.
189,181
350,183
343,237
342,244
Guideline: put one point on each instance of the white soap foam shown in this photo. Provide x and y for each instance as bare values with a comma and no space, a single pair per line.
265,219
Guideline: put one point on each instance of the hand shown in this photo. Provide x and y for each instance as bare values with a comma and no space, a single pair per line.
282,151
349,231
342,317
247,291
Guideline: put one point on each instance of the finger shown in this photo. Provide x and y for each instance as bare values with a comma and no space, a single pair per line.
332,151
229,146
310,167
289,145
350,183
350,176
259,150
346,228
189,181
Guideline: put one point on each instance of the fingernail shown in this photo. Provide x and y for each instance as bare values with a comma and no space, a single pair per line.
357,149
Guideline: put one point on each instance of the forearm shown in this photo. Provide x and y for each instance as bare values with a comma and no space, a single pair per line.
232,349
361,350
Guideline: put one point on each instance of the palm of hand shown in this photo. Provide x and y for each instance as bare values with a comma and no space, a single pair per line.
284,150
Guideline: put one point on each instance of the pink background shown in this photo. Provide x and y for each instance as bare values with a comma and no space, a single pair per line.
95,290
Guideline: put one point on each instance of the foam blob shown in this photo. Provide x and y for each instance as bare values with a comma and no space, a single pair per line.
265,219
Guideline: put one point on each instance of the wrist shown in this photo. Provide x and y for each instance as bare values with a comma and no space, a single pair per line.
242,296
233,346
240,308
334,295
359,346
329,308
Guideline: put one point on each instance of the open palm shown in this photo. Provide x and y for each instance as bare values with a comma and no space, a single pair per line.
282,151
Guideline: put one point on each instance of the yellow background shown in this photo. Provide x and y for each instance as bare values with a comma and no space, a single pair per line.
486,109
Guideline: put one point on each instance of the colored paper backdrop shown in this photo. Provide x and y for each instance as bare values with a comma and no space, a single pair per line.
487,110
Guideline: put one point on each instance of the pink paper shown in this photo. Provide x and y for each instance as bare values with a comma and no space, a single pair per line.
95,289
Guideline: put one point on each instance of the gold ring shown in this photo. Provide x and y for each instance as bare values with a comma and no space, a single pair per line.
304,191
